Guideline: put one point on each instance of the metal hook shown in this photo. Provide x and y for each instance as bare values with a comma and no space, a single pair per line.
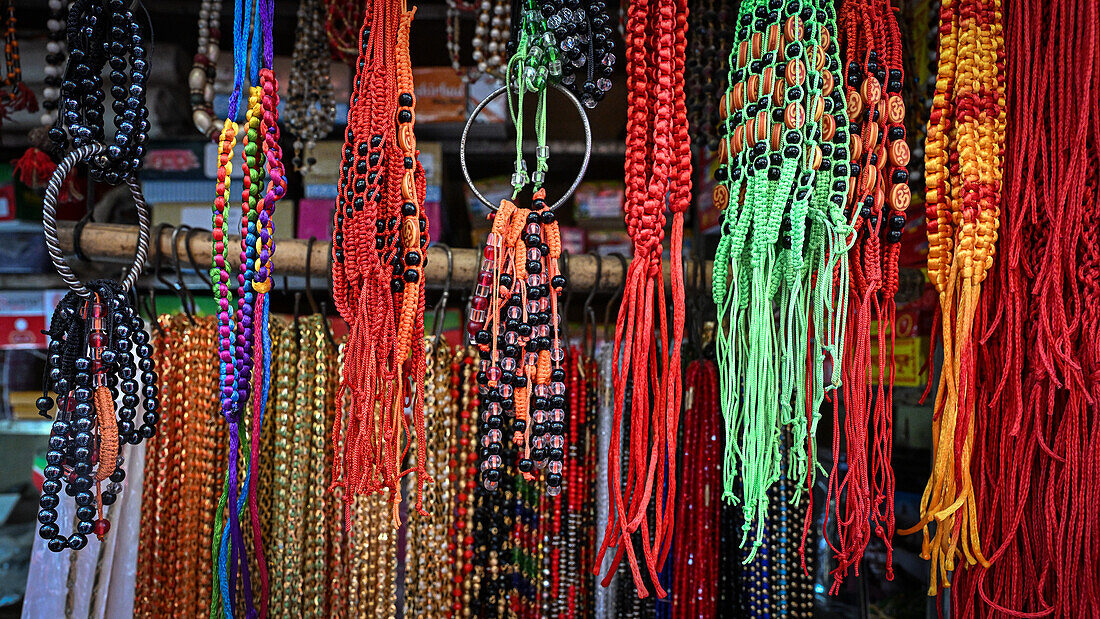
439,311
607,330
568,297
309,275
158,257
203,276
187,301
588,339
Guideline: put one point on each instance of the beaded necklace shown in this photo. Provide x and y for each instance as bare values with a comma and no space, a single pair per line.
310,107
16,96
658,165
493,20
463,472
695,583
36,165
100,34
963,168
876,202
710,28
204,69
343,21
428,573
244,340
583,35
784,245
380,239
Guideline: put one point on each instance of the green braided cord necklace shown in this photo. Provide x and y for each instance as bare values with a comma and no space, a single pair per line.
780,273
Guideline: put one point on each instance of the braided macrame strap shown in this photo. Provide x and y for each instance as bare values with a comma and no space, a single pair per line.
658,168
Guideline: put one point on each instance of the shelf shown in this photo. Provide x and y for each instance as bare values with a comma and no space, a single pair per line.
25,427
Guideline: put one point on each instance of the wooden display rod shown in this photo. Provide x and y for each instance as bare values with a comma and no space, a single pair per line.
116,244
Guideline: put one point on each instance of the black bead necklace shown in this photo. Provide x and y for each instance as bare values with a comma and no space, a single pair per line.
98,349
102,34
582,30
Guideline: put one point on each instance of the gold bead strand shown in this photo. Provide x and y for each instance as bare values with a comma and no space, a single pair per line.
316,527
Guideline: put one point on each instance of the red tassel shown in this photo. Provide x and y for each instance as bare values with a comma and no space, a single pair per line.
34,168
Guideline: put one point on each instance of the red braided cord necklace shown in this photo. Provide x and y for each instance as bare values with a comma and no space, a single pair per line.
658,165
379,247
1036,461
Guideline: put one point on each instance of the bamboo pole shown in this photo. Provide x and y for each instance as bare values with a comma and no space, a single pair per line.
115,243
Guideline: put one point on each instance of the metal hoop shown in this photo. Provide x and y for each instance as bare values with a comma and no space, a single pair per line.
49,221
486,101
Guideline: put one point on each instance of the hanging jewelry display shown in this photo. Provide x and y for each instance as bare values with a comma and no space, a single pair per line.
378,285
514,317
576,537
710,30
204,69
98,351
861,486
780,271
36,165
244,343
658,167
963,176
181,473
310,106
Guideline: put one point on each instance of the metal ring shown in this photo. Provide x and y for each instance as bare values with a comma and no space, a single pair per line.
496,93
49,221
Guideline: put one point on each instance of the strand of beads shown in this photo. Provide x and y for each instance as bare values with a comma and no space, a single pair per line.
519,343
428,574
710,29
17,96
464,467
310,107
97,347
493,19
102,34
204,69
584,36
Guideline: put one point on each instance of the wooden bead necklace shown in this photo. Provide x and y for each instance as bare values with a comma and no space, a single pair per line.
963,169
204,69
310,107
658,168
244,342
380,240
784,246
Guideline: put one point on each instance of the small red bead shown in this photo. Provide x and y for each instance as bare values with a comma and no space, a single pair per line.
102,526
